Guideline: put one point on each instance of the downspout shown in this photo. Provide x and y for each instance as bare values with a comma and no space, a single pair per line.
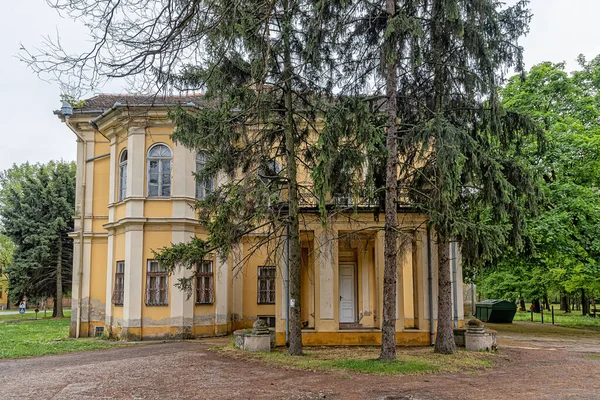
454,285
287,284
81,227
430,285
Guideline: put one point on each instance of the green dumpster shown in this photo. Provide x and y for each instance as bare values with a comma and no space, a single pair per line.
500,311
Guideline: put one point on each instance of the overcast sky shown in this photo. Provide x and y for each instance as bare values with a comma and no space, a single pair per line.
560,30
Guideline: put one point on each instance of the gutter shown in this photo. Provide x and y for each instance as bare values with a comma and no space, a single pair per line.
430,286
454,285
287,284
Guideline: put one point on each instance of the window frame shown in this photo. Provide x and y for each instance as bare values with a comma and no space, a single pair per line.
119,290
122,167
161,280
201,278
161,185
201,191
267,273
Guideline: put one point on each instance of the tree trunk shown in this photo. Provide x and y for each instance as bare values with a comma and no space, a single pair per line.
585,304
564,303
444,342
546,303
58,299
295,334
390,271
536,305
522,304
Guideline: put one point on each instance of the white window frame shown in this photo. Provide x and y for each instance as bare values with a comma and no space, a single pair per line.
161,185
205,287
202,189
123,175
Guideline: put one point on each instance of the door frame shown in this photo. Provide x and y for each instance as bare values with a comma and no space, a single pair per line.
354,290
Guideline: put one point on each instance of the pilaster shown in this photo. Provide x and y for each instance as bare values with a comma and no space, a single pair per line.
182,307
134,273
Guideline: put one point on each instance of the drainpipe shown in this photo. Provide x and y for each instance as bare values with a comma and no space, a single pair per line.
287,284
454,285
81,227
430,284
473,298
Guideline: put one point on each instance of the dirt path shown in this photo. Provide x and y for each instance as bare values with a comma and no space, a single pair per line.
189,370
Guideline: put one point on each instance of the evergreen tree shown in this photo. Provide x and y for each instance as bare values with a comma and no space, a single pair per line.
469,173
37,214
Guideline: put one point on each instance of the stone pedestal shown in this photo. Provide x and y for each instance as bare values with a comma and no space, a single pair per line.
480,341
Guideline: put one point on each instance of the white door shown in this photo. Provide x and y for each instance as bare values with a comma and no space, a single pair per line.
347,293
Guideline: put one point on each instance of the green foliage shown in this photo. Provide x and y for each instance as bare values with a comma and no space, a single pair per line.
564,240
36,210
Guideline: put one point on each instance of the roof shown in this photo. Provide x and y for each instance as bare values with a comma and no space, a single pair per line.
106,101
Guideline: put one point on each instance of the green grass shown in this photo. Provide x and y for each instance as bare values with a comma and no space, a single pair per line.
29,314
593,357
43,336
363,360
379,367
573,319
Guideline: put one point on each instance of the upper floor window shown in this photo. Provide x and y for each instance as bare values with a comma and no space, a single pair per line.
159,171
207,185
123,175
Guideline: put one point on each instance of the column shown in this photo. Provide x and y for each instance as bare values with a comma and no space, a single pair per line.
134,273
136,172
327,278
182,307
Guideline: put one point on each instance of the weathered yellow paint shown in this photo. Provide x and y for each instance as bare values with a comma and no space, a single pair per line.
356,338
158,208
256,257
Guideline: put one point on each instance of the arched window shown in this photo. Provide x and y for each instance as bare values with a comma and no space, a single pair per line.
159,171
207,185
123,175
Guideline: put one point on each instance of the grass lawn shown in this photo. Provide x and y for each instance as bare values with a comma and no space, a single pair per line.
364,360
573,319
43,336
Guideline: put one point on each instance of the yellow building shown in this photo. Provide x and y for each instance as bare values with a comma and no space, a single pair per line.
135,190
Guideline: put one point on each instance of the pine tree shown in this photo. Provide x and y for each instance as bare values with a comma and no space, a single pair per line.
37,214
469,174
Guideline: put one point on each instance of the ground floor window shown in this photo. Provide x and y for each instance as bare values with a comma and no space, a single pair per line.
119,291
266,285
204,282
157,282
269,319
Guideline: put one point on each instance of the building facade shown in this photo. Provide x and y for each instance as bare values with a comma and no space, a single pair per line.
135,192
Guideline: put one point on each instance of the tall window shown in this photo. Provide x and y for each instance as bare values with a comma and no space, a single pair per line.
123,175
159,171
266,285
157,282
206,186
119,291
204,282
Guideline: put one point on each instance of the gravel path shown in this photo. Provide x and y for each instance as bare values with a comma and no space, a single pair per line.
189,370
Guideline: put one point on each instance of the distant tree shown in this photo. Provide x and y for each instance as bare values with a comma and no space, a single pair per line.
37,214
7,248
564,237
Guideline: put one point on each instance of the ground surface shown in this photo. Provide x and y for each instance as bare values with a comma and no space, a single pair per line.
534,363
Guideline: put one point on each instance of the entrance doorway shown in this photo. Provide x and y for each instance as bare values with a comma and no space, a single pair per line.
347,290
